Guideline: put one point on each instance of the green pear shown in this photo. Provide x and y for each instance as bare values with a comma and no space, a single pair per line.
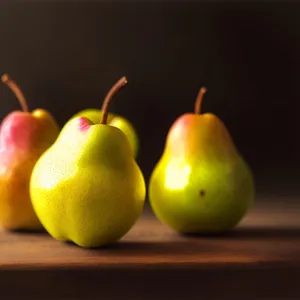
87,187
201,183
115,120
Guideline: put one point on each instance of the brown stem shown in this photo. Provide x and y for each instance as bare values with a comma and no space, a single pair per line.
117,86
199,99
16,90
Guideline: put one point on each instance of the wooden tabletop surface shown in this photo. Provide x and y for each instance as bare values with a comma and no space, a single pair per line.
261,256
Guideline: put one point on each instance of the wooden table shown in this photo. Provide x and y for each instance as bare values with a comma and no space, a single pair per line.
258,260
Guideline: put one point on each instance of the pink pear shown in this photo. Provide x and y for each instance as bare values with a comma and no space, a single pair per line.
24,137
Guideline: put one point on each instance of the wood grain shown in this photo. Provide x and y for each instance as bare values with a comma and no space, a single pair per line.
262,254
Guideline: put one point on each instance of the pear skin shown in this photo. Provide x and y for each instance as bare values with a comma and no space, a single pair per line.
115,120
24,136
94,115
87,187
201,183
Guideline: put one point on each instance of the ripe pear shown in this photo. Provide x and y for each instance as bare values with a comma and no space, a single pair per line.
87,187
201,183
24,136
115,120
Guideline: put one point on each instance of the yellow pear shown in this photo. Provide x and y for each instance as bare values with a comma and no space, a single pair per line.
87,188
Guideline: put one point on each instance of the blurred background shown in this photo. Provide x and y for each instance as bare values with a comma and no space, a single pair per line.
66,56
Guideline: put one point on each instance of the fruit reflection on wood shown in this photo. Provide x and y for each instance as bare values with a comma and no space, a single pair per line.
83,184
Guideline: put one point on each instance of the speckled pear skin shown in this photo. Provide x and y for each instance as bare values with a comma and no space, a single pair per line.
117,121
24,137
201,184
87,188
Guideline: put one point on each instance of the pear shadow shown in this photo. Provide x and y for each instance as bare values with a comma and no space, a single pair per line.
133,248
29,231
109,246
250,233
193,243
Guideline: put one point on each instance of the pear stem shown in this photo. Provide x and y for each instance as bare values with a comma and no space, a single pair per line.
117,86
199,99
16,90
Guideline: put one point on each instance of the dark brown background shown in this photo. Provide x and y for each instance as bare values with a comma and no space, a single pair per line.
67,55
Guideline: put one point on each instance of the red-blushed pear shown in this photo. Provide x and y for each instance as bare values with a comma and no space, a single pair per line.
87,187
24,136
201,184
